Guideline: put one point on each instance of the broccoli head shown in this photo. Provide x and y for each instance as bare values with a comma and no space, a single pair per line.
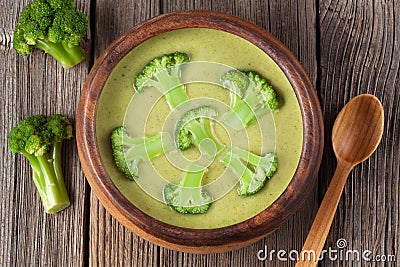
61,4
251,96
195,127
129,151
252,170
189,196
164,74
39,139
53,26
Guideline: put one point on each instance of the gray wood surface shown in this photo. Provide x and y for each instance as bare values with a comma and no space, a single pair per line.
347,47
359,47
32,85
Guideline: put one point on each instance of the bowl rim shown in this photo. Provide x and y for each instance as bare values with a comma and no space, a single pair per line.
200,240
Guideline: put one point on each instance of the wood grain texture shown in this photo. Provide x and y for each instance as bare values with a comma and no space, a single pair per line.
32,85
360,48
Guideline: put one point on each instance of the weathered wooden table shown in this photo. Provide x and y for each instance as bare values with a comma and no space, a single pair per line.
348,47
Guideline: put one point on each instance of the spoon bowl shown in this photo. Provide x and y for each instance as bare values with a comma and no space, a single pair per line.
358,129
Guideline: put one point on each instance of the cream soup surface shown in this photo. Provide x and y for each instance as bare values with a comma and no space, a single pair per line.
201,45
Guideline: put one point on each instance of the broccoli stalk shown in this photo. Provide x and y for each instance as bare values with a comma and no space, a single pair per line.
129,151
39,139
65,55
188,196
252,170
163,73
194,127
53,26
251,97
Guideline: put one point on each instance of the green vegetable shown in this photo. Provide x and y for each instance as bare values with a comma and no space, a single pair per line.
195,127
39,139
53,26
188,196
163,73
129,151
252,170
251,96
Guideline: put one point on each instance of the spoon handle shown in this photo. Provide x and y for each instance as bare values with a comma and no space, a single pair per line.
319,230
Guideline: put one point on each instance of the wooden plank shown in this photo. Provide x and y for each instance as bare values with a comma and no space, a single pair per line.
32,85
292,22
360,54
114,18
111,244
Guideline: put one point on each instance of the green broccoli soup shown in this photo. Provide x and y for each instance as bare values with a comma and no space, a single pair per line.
278,131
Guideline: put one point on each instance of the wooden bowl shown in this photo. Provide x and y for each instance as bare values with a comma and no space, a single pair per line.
200,240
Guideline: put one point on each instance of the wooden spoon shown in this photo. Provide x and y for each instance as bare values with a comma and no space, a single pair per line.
355,136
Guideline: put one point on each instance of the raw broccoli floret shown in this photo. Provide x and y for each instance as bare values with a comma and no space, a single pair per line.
129,151
195,127
164,73
53,26
39,139
189,196
251,97
252,170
